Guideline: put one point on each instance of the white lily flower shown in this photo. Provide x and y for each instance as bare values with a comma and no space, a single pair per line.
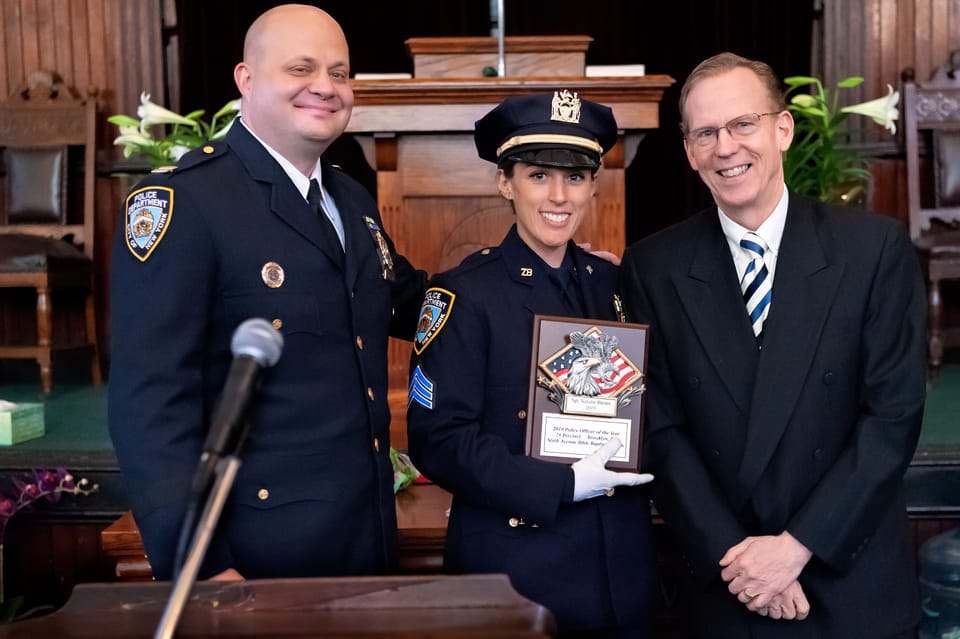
136,137
883,110
177,151
132,141
222,132
151,114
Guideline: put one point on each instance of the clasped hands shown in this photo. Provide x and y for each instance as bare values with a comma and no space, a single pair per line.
592,479
762,573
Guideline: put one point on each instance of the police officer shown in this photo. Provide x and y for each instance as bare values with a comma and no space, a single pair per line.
550,526
228,235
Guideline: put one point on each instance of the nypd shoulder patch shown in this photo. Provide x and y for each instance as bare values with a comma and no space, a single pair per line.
421,389
147,218
437,304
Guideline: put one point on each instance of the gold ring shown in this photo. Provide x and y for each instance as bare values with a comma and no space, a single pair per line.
747,593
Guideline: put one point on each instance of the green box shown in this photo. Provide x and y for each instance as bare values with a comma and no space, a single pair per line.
21,423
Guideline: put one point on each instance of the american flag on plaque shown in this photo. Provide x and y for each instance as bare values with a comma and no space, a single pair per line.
591,364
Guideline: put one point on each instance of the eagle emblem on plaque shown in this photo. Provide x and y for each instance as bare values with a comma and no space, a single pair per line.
590,375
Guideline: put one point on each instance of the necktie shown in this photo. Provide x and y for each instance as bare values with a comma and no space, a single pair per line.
315,199
756,285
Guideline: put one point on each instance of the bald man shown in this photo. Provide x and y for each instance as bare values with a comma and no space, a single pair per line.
234,236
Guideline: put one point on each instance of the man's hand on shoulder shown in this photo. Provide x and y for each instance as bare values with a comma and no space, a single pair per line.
603,255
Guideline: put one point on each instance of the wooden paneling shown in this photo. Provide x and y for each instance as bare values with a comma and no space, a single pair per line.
113,46
878,39
116,46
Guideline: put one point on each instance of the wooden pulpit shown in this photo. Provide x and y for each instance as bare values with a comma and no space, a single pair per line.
461,607
438,199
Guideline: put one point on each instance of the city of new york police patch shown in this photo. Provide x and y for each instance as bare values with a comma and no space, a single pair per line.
437,304
147,218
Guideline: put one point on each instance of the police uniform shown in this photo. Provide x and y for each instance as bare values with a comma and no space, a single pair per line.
224,237
591,562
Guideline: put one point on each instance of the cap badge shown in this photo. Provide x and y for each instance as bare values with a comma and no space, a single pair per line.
565,107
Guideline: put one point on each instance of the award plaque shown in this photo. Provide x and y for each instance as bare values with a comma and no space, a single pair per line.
587,385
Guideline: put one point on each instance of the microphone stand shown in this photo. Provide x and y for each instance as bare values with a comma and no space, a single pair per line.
225,473
501,59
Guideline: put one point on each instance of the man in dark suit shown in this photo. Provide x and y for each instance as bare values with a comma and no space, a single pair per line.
786,384
242,228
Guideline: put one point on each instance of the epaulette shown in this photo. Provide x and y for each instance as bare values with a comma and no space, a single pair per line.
201,155
477,259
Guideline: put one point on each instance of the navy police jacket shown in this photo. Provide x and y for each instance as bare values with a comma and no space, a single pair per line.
225,237
590,563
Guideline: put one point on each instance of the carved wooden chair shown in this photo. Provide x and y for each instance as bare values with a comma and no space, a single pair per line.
932,130
46,224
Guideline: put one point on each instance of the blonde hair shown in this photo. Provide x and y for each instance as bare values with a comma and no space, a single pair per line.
723,62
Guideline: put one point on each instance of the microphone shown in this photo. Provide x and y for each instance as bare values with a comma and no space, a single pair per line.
255,345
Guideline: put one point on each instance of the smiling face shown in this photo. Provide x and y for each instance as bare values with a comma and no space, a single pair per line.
744,175
295,82
550,203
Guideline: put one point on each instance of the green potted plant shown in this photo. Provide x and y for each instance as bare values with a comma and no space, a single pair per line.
820,162
138,139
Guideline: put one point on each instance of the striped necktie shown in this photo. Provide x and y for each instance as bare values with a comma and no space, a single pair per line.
756,285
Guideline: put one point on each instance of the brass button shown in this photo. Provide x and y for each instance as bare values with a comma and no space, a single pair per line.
376,444
359,342
609,492
208,149
522,414
370,393
263,494
277,323
485,251
514,522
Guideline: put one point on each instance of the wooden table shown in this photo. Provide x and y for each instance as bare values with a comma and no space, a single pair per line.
438,607
421,520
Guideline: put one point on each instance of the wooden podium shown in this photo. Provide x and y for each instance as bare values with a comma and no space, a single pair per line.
438,199
463,607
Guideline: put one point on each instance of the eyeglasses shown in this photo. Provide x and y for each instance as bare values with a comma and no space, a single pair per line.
739,128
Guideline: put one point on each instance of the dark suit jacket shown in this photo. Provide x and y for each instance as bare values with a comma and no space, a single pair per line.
591,563
314,495
812,434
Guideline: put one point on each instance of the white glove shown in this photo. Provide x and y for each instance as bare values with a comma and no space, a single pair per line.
591,479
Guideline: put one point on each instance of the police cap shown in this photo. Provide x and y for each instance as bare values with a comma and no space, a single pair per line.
558,129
